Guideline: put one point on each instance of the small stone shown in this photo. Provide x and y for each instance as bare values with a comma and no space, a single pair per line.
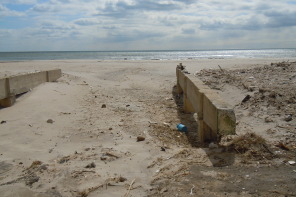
104,106
288,118
162,149
87,149
110,128
103,158
122,179
91,165
3,122
246,98
164,190
140,138
49,121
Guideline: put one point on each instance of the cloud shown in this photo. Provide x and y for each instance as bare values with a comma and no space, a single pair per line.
281,19
4,11
44,8
124,8
19,1
188,31
146,24
87,21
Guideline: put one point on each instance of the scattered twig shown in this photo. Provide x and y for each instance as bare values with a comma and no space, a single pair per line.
221,69
283,146
85,192
191,191
129,189
111,155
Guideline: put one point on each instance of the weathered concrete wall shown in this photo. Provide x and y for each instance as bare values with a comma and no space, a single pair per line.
53,75
23,83
18,84
3,88
215,117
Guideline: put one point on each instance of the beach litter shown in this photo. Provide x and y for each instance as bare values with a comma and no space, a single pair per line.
181,127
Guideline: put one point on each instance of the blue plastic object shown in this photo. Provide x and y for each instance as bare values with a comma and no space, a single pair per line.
182,127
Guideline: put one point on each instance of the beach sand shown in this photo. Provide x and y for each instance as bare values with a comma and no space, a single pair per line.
108,128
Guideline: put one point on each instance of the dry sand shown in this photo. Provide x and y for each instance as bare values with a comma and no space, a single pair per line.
81,136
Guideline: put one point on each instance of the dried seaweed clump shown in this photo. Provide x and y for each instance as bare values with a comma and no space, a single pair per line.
252,146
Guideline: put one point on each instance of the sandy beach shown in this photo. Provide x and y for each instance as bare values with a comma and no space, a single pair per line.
108,128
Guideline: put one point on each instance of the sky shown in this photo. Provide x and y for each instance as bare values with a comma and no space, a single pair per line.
87,25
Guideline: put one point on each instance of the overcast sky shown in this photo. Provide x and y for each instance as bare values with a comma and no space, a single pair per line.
41,25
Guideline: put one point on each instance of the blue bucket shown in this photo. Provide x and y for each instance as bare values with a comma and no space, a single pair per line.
182,127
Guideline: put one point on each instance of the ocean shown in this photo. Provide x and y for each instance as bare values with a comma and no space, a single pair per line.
148,55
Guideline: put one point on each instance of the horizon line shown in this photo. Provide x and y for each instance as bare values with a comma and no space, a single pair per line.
143,50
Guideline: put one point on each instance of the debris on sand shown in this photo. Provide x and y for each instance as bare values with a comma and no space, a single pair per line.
31,178
64,159
251,146
140,138
50,121
288,118
283,146
106,183
35,164
91,165
246,98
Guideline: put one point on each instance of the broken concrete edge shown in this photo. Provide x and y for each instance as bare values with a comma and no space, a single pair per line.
215,115
18,84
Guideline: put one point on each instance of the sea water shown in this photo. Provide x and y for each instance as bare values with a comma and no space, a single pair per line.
148,55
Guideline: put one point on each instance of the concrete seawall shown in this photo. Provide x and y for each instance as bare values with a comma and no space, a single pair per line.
18,84
215,117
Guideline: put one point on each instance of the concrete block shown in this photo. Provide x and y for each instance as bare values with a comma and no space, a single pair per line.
3,88
23,83
226,122
215,116
7,102
53,75
182,80
210,112
188,106
195,93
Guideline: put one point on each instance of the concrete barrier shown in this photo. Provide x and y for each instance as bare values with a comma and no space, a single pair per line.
3,88
53,75
18,84
215,117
